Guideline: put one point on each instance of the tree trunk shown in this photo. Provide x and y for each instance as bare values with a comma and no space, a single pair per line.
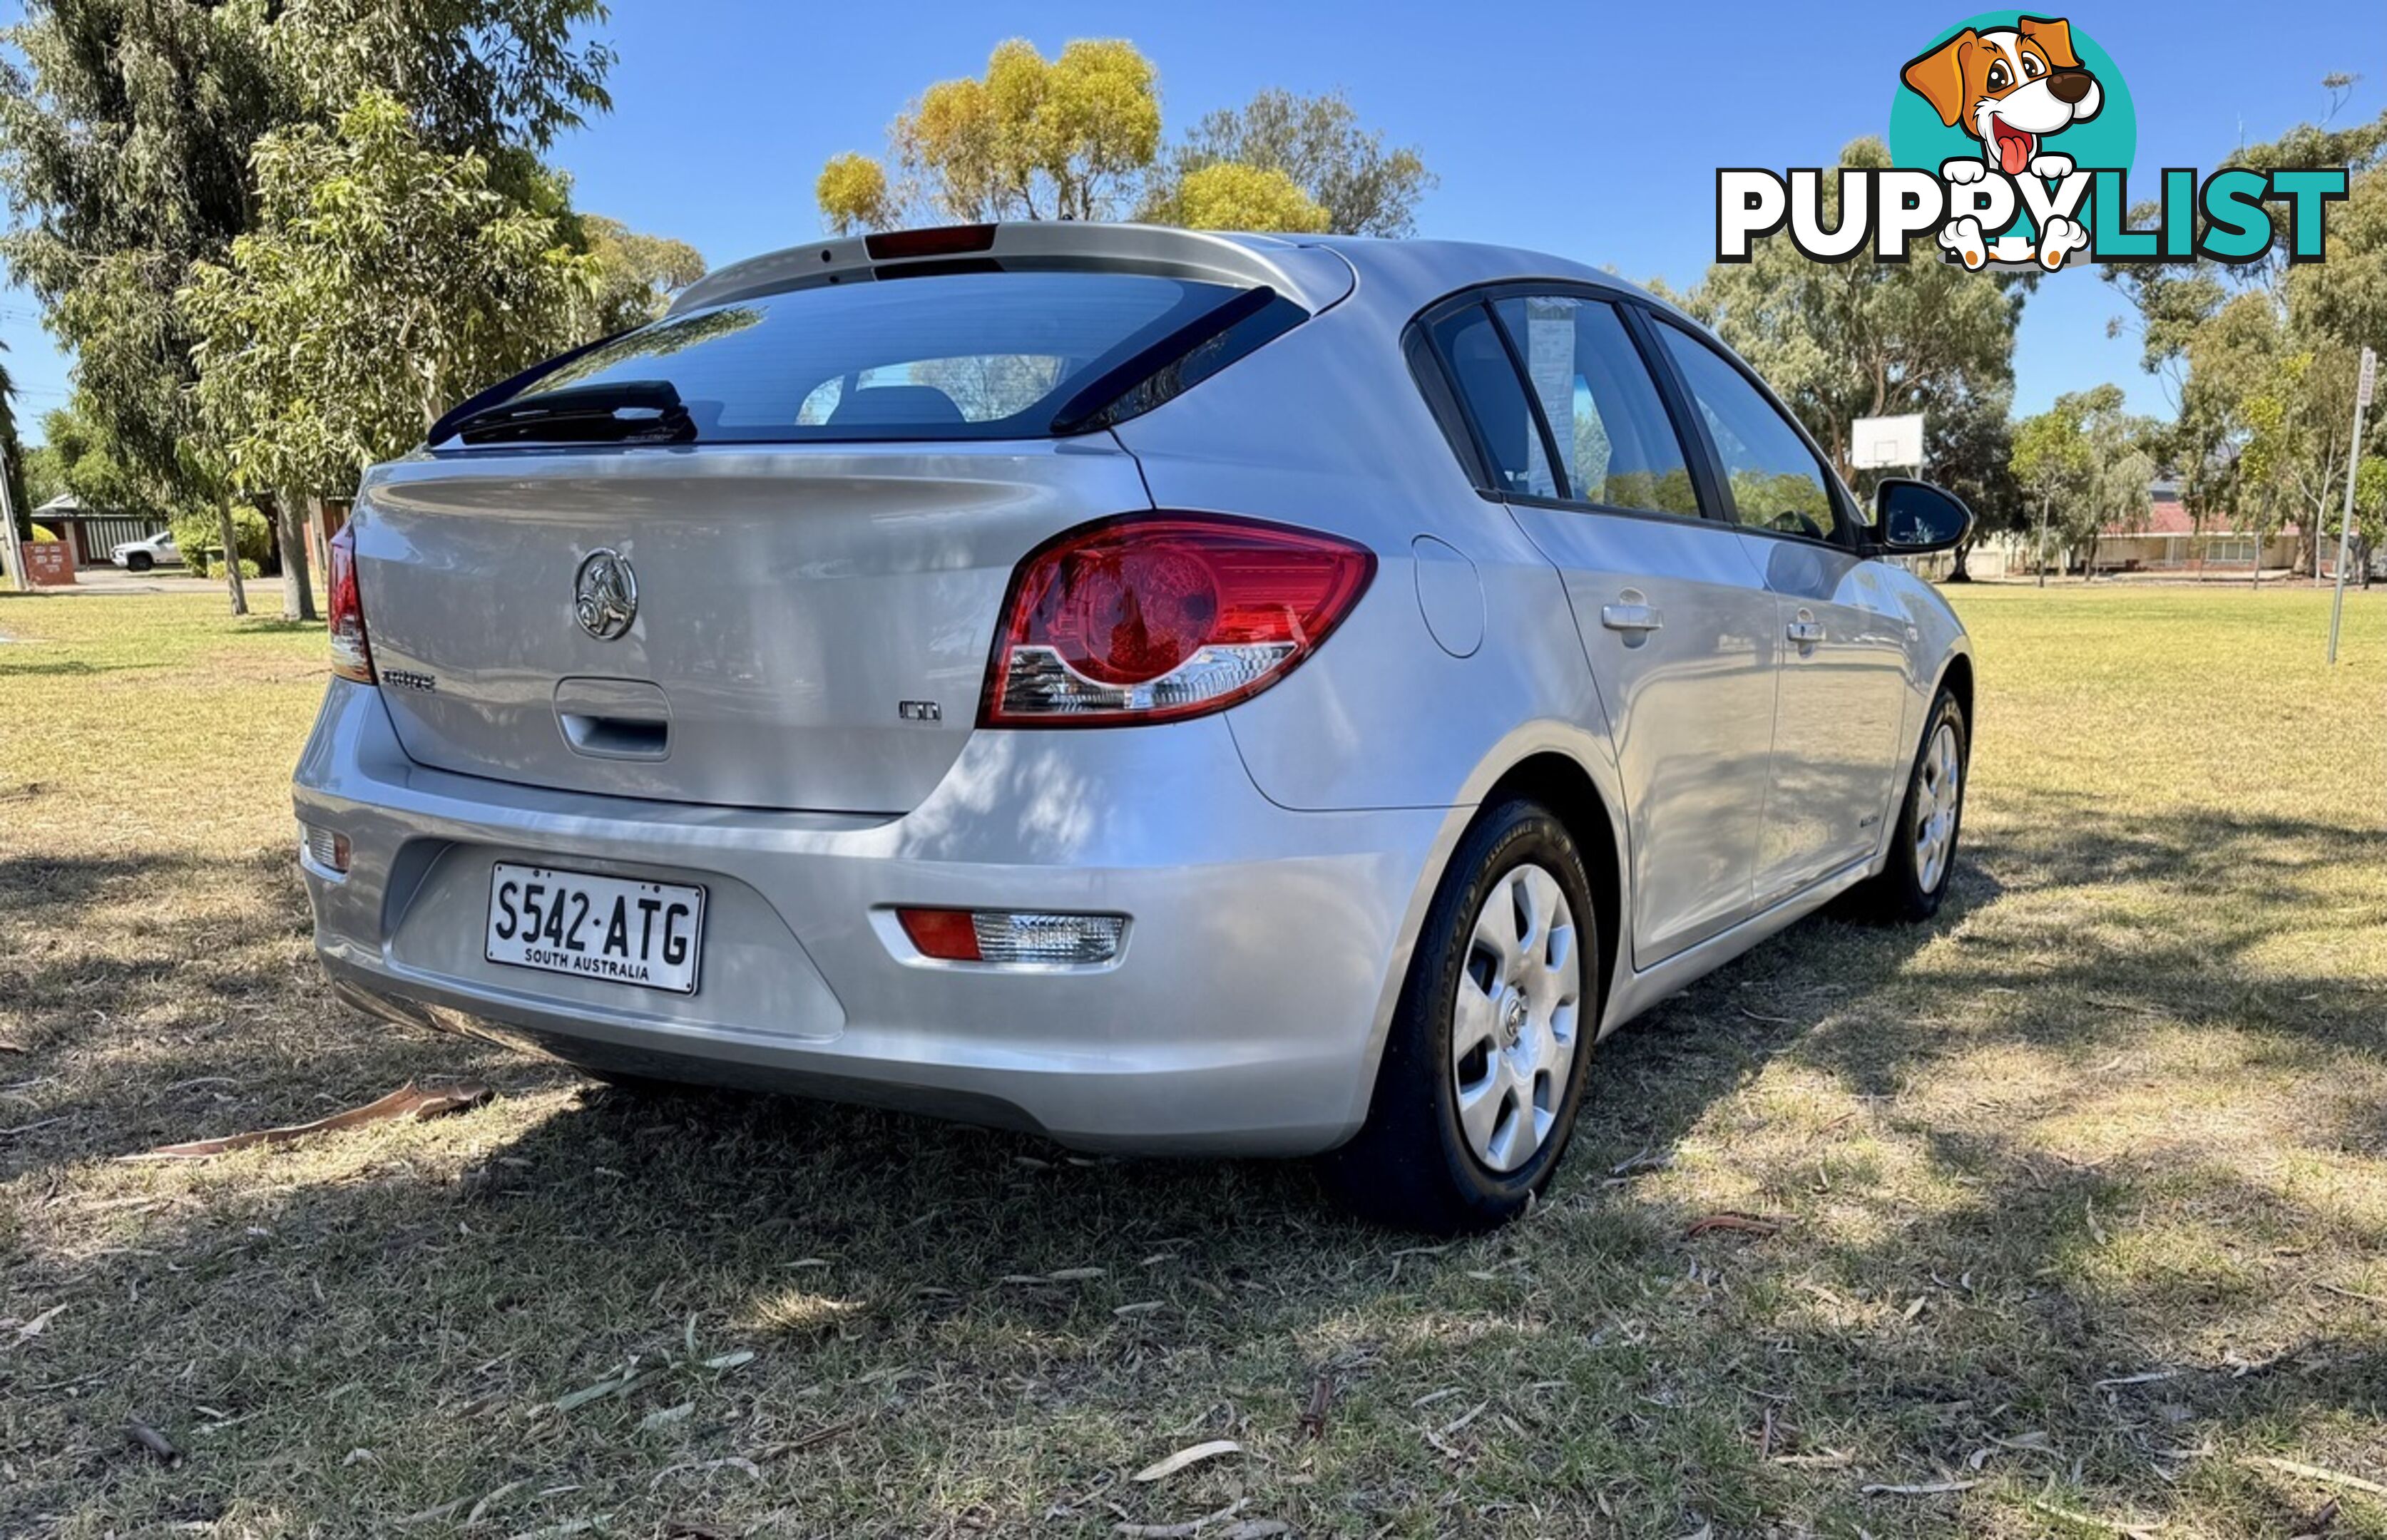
2039,557
231,556
1962,550
298,580
2088,568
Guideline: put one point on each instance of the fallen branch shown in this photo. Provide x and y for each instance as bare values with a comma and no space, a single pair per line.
407,1101
2316,1474
1321,1396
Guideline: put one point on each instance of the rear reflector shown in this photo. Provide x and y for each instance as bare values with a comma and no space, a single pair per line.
1013,936
327,849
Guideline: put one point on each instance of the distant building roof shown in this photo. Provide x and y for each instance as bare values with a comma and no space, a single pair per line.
2169,516
65,502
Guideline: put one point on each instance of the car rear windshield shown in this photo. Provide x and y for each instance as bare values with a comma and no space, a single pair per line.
972,355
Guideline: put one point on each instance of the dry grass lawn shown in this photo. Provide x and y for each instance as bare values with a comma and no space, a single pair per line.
2081,1193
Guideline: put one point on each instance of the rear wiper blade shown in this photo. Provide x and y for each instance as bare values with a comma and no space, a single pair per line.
624,412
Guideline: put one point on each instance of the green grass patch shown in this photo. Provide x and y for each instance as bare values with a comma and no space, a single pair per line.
2082,1191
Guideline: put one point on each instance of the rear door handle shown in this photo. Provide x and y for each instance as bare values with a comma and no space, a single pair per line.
1631,617
1805,632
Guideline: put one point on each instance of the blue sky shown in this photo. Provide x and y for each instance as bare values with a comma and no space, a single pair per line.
1590,130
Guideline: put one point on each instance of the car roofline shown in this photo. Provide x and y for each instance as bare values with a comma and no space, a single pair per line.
1306,273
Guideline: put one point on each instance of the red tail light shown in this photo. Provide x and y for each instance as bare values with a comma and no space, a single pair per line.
1156,617
351,654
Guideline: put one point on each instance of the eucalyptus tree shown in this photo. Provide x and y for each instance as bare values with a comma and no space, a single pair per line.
385,280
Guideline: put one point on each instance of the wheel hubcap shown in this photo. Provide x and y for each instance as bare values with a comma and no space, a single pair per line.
1512,1036
1939,795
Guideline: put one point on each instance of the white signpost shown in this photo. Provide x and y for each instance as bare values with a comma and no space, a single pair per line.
2362,390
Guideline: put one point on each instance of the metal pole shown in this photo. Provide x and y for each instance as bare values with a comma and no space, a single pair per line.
14,552
2346,522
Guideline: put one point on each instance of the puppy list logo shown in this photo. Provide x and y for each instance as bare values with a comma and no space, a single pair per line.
2012,138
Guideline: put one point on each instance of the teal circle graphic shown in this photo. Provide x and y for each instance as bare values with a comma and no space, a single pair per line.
1917,137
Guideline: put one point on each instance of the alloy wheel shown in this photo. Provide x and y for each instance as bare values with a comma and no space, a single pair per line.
1512,1038
1939,795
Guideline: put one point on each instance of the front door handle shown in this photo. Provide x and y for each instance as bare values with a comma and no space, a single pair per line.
1631,617
1806,630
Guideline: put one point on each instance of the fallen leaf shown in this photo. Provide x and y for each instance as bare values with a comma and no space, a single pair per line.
603,1389
2318,1474
1746,1223
666,1417
407,1101
32,1328
1922,1489
1181,1530
492,1500
1194,1455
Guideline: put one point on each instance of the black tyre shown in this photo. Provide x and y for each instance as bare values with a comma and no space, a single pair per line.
1484,1065
1923,847
139,560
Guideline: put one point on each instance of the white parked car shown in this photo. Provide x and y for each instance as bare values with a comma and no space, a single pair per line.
158,551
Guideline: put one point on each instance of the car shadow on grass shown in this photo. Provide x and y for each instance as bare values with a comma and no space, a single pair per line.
926,1299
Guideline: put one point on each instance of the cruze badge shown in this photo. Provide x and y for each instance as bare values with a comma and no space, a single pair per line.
605,595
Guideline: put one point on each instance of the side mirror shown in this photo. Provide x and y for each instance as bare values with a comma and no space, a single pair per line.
1914,518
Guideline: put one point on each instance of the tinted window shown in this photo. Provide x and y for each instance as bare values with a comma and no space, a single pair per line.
1776,480
1489,392
1615,444
960,355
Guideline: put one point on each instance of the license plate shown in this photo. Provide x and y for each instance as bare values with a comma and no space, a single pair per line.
648,934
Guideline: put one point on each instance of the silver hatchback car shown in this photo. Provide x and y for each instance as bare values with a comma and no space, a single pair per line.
1177,692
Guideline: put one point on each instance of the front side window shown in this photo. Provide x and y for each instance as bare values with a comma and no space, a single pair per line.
1616,446
1775,481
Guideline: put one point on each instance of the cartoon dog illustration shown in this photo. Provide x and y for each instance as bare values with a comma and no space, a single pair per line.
2011,88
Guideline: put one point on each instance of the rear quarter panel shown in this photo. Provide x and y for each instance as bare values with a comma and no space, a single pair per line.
1325,429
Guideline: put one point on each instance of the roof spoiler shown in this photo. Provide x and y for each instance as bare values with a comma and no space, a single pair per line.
1312,276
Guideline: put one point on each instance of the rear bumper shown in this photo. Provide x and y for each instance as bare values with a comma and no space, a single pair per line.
1243,1015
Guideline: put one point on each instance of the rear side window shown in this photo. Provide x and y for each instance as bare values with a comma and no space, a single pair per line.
1616,446
1494,401
1775,481
969,355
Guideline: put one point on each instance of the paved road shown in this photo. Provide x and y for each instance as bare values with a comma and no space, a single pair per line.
157,580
